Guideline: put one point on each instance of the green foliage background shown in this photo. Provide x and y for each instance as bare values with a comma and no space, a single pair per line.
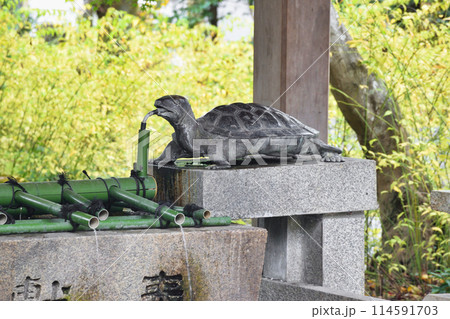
408,49
76,102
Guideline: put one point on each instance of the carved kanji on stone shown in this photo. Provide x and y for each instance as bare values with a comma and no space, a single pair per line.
29,290
163,288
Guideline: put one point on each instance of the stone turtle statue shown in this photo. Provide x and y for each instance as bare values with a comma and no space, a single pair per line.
230,132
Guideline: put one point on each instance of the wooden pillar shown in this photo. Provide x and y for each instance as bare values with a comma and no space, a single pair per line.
291,73
291,58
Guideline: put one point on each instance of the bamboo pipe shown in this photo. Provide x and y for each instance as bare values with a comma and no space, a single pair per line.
142,152
89,188
138,202
36,226
129,222
47,206
112,223
198,214
3,218
23,211
73,198
17,211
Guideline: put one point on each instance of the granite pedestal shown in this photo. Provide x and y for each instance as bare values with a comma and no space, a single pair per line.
313,212
309,187
225,264
437,297
275,290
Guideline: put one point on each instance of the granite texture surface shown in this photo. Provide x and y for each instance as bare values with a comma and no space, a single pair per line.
437,297
325,250
272,191
225,264
294,248
305,249
343,252
440,200
274,290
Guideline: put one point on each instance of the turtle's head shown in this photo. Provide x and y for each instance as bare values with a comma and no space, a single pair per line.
174,108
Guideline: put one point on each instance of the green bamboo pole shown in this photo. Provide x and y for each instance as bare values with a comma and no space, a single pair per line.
118,206
142,152
128,222
198,214
138,202
49,207
36,226
23,211
102,214
88,188
17,211
212,221
73,198
112,223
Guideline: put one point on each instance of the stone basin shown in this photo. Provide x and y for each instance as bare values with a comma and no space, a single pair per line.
225,263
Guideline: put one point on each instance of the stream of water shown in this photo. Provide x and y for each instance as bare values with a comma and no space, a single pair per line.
187,263
96,244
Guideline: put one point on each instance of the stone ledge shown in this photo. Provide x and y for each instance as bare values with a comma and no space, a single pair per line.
437,297
273,191
225,264
274,290
440,200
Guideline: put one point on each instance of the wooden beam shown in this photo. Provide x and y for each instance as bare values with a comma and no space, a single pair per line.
291,58
291,73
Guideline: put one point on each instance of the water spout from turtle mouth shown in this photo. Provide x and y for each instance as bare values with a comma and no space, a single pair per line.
144,121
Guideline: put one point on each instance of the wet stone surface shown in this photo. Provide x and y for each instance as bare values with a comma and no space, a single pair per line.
225,264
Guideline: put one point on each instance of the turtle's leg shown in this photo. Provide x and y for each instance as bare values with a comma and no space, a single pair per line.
327,152
220,159
170,154
219,164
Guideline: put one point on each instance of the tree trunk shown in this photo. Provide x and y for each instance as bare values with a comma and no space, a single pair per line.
213,15
372,112
198,10
130,6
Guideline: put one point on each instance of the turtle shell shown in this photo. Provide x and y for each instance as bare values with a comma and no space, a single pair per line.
240,120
